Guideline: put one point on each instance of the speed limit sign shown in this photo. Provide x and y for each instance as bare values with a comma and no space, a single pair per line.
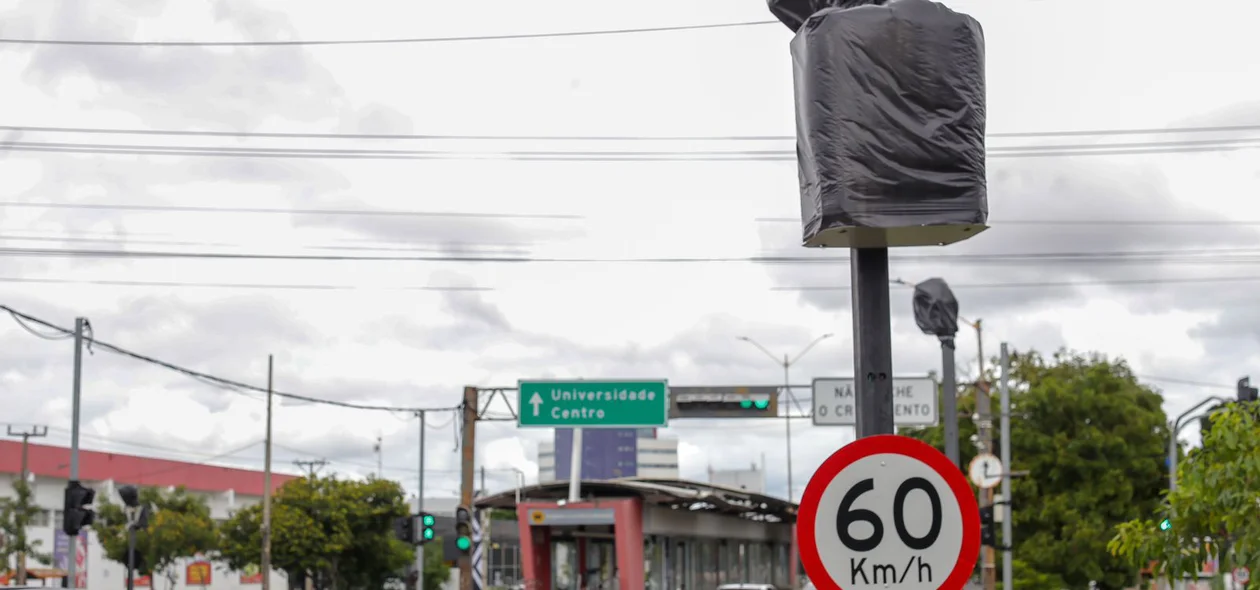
1242,575
888,512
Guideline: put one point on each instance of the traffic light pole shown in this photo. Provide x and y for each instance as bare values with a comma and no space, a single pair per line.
79,325
420,507
872,341
1004,403
467,458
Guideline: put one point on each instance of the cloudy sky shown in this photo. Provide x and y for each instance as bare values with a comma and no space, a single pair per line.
411,333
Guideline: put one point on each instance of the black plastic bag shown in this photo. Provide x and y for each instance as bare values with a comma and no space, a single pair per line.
794,13
935,308
890,116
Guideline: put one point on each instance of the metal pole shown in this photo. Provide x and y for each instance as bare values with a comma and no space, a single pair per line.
1172,439
1008,574
265,566
575,467
787,420
131,556
984,414
949,400
420,507
79,325
872,341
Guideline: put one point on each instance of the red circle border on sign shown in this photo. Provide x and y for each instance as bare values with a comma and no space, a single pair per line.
807,513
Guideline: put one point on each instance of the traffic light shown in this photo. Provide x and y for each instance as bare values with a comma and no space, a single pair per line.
463,529
78,508
723,402
427,532
988,531
1247,393
1165,524
405,529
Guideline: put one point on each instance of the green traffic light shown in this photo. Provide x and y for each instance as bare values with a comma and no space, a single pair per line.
427,520
463,543
762,404
1165,525
744,403
428,534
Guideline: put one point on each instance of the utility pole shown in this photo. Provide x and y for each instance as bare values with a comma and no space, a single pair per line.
80,325
420,506
26,435
379,468
312,467
1008,573
265,566
984,425
467,456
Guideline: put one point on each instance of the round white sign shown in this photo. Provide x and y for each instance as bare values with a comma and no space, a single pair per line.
1242,575
985,471
888,511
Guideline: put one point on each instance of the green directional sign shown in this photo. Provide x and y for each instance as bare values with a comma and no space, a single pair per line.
593,404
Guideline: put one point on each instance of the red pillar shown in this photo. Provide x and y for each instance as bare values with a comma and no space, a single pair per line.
628,532
535,549
792,557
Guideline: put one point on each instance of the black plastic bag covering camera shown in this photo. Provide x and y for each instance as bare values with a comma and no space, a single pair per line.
890,117
935,308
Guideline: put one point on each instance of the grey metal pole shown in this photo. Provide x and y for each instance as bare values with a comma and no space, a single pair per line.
787,420
575,467
1172,438
949,400
420,508
1008,574
265,565
131,556
79,326
872,341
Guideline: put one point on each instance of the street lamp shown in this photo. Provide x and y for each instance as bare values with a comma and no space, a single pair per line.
787,363
137,518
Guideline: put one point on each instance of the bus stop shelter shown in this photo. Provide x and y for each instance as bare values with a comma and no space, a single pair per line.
649,533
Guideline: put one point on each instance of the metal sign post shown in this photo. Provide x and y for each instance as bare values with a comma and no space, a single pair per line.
872,341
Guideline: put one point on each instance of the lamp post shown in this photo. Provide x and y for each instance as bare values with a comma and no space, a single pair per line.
786,362
137,518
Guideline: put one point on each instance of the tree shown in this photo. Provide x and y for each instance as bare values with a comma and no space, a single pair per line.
16,514
338,532
436,572
180,527
1094,441
1215,508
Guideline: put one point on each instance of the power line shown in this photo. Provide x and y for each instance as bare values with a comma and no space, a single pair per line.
285,211
1083,222
397,41
386,288
1198,256
465,137
205,377
1139,148
1176,381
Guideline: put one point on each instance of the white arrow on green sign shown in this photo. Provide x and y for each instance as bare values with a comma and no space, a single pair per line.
593,404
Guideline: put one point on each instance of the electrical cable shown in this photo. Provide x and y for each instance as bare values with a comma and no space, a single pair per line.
284,211
458,137
397,41
1136,148
333,287
1197,256
211,378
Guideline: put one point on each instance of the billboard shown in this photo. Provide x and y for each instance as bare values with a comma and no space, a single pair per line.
61,555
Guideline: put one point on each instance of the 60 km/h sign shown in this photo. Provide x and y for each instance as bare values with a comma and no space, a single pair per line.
888,511
593,404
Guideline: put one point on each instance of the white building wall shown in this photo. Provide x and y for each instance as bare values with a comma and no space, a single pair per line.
546,461
656,458
104,574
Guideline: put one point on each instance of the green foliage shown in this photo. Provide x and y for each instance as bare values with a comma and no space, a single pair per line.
1215,508
339,532
16,513
1094,441
436,572
179,526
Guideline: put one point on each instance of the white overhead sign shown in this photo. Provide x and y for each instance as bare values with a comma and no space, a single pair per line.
888,512
914,401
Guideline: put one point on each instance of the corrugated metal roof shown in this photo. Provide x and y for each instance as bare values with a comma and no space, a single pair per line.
675,493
